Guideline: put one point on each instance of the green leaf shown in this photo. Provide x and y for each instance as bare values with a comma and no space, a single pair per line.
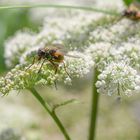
128,2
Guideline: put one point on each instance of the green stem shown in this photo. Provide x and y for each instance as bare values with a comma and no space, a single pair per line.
47,107
94,107
86,8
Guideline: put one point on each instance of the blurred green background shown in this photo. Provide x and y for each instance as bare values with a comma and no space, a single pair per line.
11,21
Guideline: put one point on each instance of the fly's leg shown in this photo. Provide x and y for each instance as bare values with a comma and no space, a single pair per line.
55,66
31,64
56,69
41,65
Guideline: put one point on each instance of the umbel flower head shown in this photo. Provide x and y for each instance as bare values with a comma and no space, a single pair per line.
118,77
131,52
110,46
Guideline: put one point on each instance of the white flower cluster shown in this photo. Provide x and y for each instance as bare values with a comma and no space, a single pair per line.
111,46
116,32
118,66
118,78
80,65
131,52
116,53
99,50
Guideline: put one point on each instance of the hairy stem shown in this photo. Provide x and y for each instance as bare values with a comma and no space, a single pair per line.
87,8
47,107
94,107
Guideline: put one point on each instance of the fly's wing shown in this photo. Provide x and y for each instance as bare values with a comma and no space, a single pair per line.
58,46
55,45
72,56
62,49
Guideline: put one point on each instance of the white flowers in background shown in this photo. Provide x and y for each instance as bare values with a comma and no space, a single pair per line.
101,34
118,78
51,30
56,29
16,46
110,4
131,52
134,39
121,26
114,33
29,56
74,20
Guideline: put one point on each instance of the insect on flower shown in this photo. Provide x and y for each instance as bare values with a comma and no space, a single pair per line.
51,53
132,12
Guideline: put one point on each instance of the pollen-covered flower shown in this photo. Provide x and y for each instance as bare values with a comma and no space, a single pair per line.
118,78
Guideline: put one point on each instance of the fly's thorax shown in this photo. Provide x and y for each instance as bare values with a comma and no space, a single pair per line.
55,55
58,56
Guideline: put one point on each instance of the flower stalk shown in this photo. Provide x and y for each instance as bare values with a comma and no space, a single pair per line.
94,107
86,8
48,109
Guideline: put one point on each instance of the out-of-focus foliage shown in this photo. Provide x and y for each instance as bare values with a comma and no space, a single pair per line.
127,2
11,21
138,0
